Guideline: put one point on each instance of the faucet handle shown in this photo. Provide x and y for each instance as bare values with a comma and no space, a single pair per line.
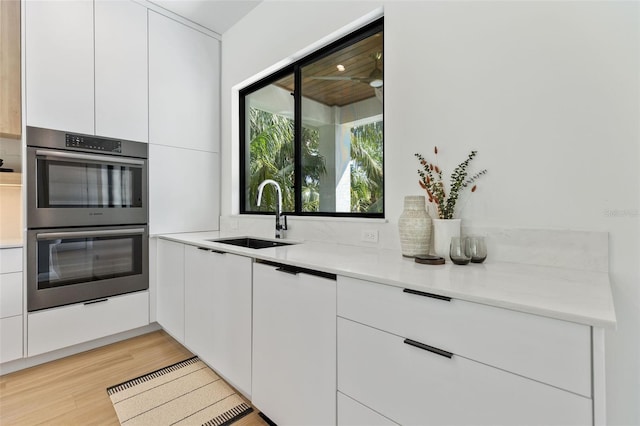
281,225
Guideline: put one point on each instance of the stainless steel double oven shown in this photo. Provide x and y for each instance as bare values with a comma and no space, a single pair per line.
87,213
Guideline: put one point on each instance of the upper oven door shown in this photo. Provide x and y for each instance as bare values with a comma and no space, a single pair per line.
68,188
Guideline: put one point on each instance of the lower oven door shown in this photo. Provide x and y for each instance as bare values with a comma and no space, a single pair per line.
74,265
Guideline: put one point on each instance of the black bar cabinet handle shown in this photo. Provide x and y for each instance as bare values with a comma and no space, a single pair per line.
428,348
287,270
203,248
431,295
95,301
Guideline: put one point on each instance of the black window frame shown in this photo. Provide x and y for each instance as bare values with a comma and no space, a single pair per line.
295,70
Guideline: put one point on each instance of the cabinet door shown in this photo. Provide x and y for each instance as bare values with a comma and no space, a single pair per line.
231,324
121,70
11,294
218,312
170,288
294,347
184,81
412,385
184,190
59,65
199,302
10,260
10,338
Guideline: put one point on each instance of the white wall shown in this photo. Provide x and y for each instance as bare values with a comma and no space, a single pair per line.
547,92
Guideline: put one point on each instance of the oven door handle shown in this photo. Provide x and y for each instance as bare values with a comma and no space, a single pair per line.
89,157
83,234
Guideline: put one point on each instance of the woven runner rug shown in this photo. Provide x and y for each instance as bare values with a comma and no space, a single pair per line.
185,393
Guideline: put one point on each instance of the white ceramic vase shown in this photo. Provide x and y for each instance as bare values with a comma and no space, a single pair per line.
414,225
443,231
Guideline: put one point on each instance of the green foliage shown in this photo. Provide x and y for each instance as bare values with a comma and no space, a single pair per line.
272,156
367,173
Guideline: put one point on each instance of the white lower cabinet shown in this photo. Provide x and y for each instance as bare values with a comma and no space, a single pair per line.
57,328
11,304
10,338
294,346
170,288
412,385
417,358
217,314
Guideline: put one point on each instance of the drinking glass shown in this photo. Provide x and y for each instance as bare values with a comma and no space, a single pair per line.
476,249
457,251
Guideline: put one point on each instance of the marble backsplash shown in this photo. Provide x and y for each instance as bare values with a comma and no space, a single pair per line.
586,250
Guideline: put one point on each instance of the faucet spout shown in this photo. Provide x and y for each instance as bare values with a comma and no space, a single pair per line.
279,227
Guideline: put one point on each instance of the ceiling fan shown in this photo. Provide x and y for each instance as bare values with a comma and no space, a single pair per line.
374,79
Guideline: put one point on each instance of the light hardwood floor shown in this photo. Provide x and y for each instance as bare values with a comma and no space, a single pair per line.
72,390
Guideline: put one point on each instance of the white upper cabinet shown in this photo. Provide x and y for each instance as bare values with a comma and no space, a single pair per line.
121,70
59,65
86,67
184,86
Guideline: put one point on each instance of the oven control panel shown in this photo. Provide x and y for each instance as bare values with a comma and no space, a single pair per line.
91,143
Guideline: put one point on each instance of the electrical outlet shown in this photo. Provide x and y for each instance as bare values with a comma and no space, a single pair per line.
369,235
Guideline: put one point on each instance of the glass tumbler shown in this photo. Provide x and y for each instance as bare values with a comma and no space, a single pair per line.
457,251
476,249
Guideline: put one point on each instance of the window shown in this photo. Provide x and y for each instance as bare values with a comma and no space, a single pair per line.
317,128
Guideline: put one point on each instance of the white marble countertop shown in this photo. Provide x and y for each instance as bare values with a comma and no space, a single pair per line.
568,294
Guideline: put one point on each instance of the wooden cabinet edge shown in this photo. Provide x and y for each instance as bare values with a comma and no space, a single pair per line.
10,68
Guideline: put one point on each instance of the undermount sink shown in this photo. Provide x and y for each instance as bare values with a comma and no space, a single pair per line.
254,243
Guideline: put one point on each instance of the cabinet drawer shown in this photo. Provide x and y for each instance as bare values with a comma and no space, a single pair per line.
10,338
414,386
10,294
57,328
545,349
352,413
10,260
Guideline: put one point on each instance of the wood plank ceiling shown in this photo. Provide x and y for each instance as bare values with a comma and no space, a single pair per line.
358,60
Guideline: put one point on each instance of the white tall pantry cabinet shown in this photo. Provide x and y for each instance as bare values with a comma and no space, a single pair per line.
184,134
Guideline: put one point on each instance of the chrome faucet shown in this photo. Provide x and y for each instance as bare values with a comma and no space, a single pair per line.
280,228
